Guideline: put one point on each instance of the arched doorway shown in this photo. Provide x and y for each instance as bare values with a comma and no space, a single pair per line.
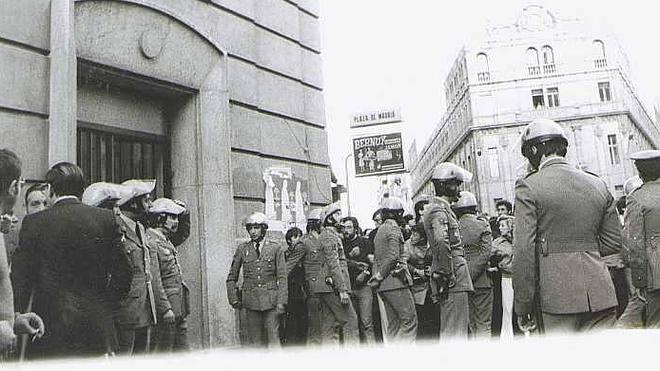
153,90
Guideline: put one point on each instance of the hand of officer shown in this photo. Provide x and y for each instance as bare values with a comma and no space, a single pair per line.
526,323
236,305
354,252
374,281
29,324
7,337
362,265
168,317
639,294
344,298
442,280
280,309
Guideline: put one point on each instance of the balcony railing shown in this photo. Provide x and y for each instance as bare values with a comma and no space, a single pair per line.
483,76
549,68
600,62
534,70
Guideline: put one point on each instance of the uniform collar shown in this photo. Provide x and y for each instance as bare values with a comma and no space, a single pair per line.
552,161
441,201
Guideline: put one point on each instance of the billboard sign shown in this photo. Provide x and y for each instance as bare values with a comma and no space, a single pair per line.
378,154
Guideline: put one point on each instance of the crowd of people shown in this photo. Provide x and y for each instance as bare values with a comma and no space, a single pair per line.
563,257
95,271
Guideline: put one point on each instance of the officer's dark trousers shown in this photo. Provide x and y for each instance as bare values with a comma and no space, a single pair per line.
454,316
481,311
401,315
579,322
263,328
642,315
134,341
327,315
172,337
295,322
428,321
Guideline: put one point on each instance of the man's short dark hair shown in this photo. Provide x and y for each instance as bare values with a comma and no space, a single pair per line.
66,179
293,232
10,169
376,213
506,204
36,187
554,147
649,170
621,205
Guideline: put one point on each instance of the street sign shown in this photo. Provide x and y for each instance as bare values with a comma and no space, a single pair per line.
378,154
387,116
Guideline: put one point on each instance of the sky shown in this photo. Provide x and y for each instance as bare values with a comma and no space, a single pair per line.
397,53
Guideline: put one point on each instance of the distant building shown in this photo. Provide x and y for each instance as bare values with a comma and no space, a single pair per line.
541,66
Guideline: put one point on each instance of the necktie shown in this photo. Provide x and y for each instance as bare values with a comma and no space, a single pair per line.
256,247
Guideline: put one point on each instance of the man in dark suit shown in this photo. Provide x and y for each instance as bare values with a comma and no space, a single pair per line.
566,221
72,270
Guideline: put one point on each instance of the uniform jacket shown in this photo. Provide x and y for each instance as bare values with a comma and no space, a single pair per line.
297,290
319,262
642,235
442,231
265,282
171,275
477,240
71,256
569,217
388,251
419,256
146,301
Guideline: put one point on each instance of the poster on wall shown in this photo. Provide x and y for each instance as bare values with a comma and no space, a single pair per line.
378,154
287,199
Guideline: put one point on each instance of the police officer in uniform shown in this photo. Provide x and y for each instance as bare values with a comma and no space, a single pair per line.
146,302
450,278
338,309
165,214
264,290
391,278
565,222
641,233
477,240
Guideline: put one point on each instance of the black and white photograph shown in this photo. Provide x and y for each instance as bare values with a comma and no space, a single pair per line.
328,184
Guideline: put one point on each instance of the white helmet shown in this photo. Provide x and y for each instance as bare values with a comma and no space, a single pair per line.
448,171
166,206
256,218
315,214
138,187
541,130
465,199
392,203
632,184
100,192
329,210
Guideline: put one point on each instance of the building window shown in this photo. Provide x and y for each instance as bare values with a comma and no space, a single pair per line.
483,73
548,60
600,61
110,157
533,62
553,97
613,149
604,91
537,98
493,163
